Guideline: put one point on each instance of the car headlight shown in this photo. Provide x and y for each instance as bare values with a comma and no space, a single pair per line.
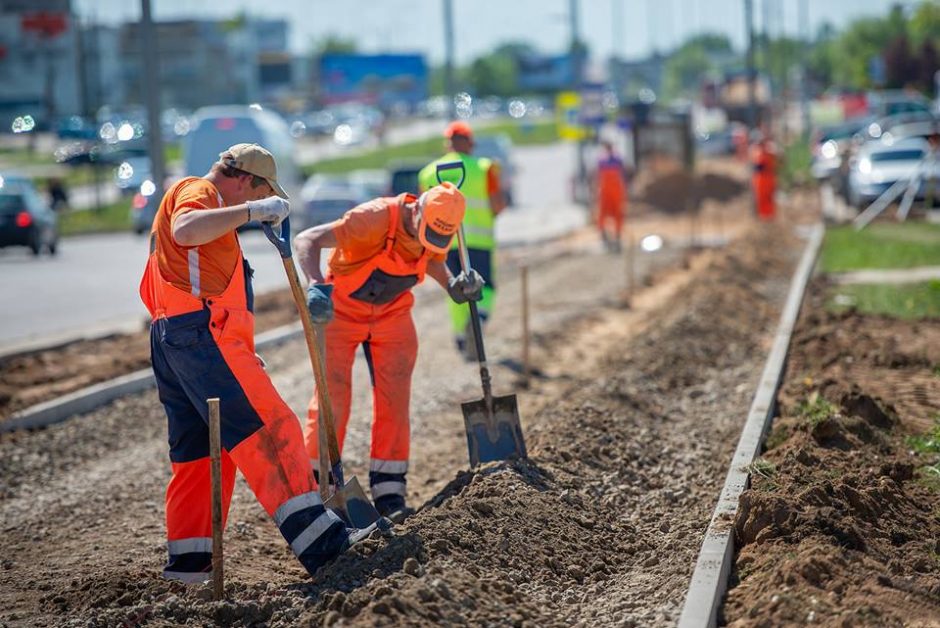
829,150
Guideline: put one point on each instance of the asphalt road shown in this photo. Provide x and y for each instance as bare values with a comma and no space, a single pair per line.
90,287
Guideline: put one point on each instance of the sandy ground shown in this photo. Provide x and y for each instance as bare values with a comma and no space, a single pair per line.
629,430
841,526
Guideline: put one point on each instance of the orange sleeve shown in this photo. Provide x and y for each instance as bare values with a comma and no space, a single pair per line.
197,194
362,227
492,179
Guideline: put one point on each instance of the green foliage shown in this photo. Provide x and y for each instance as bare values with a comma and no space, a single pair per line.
114,217
881,245
907,301
796,162
815,409
777,437
694,60
928,443
764,468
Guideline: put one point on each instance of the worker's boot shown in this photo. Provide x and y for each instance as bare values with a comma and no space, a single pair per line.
393,508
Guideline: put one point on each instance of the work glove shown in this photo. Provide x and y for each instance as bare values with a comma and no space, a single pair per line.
273,209
466,287
320,303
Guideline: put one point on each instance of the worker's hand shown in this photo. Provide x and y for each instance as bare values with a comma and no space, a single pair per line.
466,287
273,209
320,302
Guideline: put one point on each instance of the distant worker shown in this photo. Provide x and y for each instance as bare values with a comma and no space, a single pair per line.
197,288
58,196
381,250
764,178
485,201
611,188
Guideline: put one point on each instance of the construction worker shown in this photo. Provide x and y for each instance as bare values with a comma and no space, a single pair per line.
484,202
611,197
197,287
381,250
764,178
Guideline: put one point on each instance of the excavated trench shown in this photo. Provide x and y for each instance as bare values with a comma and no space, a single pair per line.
630,427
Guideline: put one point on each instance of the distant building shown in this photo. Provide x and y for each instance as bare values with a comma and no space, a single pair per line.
629,77
38,63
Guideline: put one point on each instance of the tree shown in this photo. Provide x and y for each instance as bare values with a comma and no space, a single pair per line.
901,68
693,61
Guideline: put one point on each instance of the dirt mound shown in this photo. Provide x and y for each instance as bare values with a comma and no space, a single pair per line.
601,526
673,191
35,377
840,526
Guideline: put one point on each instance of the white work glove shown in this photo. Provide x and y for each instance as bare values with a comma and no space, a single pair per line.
466,287
273,209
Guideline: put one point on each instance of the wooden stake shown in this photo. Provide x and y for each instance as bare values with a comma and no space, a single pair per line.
215,473
524,280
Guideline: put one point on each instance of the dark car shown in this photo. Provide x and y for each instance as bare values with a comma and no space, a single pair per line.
25,217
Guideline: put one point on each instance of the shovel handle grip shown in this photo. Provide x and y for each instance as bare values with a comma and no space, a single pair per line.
451,165
280,238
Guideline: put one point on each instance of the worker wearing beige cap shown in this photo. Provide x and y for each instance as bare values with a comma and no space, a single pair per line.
381,250
197,287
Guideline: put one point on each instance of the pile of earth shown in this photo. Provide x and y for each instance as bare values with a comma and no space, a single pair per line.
38,376
841,524
600,526
674,191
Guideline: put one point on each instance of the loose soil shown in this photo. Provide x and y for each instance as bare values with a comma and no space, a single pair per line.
630,427
841,526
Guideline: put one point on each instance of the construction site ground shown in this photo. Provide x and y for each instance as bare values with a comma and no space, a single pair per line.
841,526
629,425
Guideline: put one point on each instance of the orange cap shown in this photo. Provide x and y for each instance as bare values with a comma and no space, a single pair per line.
442,210
458,127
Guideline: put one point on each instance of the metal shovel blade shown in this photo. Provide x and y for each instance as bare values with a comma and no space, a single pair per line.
359,511
493,437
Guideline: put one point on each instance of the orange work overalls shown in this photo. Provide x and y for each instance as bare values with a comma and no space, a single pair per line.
203,348
373,308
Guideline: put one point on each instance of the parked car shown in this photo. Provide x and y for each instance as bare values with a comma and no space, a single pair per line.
879,165
131,173
144,207
830,143
26,219
326,198
499,149
404,178
891,102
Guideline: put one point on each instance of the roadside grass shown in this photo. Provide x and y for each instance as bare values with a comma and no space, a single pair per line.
795,165
906,301
928,444
881,245
426,150
778,436
814,410
110,218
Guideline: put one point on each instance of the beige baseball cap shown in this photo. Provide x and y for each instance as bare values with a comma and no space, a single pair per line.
256,160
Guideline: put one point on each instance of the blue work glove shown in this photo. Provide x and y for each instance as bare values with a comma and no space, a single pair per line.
466,287
320,303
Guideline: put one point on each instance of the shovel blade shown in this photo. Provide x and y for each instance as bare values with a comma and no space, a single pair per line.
359,511
493,437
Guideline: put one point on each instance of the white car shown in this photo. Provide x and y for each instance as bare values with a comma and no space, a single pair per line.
879,165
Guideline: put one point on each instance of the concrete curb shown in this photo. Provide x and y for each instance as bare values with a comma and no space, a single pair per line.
91,397
710,579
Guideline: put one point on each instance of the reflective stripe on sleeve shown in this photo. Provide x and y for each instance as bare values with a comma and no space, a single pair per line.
295,505
189,546
388,466
313,532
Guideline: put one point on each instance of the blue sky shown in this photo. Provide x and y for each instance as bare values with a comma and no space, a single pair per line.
415,25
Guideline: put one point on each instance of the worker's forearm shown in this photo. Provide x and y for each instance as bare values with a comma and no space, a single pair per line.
201,226
497,203
309,244
439,272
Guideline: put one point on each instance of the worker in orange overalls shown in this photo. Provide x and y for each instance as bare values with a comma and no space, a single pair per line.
197,287
764,178
611,197
382,249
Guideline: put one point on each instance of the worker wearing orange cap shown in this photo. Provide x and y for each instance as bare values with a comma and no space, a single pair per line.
611,197
484,202
764,178
381,250
197,288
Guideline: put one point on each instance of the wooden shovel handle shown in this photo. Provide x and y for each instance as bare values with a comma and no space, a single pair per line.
319,370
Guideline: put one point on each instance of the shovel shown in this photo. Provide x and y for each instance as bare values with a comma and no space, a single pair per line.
347,498
492,423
